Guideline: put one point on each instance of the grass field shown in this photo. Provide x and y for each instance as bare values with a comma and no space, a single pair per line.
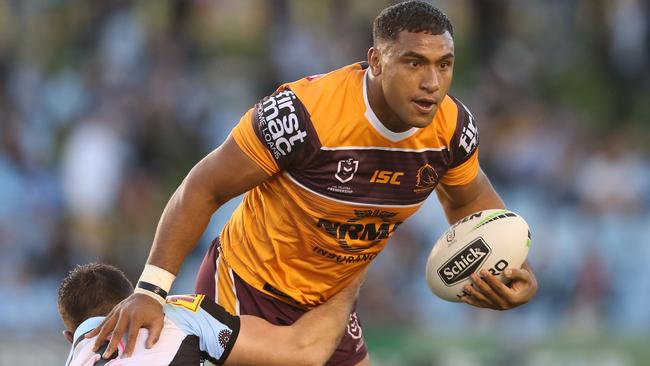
403,347
392,347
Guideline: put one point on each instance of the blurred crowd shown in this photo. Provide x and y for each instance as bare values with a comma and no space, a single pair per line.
106,105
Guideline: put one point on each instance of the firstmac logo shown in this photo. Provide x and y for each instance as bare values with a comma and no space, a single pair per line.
465,262
279,123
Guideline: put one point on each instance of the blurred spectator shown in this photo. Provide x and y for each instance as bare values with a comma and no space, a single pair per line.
613,180
92,169
105,106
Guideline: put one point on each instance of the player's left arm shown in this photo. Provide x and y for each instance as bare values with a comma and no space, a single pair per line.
310,341
488,291
246,340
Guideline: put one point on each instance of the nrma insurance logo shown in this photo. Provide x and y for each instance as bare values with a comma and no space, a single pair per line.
465,262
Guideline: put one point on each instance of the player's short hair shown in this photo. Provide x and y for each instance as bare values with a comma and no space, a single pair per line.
89,290
413,16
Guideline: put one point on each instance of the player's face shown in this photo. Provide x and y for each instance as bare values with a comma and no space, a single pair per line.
415,72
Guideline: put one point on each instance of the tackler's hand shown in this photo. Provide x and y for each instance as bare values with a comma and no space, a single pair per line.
135,312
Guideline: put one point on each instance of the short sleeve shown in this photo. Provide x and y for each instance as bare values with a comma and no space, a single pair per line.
277,133
247,140
198,315
463,151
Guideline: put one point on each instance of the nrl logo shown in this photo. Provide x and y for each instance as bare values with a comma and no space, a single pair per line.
451,235
346,169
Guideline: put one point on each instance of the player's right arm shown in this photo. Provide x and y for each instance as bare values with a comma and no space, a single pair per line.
465,189
311,340
223,174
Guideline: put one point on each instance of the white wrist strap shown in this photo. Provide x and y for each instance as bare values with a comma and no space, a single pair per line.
155,282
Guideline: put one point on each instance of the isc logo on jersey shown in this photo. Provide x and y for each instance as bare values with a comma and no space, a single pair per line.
386,177
279,123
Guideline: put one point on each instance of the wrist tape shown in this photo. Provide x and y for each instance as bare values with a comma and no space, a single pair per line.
155,282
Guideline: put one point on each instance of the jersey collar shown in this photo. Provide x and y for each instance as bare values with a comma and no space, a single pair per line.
376,123
83,328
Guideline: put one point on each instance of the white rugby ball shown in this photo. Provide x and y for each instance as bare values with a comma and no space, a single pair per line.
491,239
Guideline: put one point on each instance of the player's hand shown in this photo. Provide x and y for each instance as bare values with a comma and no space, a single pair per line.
135,312
489,292
351,291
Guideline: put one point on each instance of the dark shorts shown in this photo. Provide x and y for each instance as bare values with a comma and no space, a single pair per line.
350,351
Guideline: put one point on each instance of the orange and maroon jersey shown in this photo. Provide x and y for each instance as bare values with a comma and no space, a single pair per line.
340,183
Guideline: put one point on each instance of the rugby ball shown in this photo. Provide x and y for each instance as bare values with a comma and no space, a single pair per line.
490,239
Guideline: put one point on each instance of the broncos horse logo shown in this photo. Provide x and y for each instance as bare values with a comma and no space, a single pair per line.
426,179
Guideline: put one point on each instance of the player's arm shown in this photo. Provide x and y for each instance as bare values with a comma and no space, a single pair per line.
223,174
311,340
488,291
462,200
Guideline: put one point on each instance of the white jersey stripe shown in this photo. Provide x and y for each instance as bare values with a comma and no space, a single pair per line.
216,276
234,291
346,202
325,148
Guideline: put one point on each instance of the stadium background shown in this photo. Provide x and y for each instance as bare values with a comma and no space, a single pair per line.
105,106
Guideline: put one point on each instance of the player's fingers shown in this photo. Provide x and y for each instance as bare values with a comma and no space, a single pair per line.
103,330
517,275
493,298
498,287
472,301
480,287
132,336
524,284
95,331
154,332
118,332
476,295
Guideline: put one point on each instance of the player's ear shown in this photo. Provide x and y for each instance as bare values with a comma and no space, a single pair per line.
374,60
68,335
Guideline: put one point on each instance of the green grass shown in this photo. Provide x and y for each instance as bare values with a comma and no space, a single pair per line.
407,347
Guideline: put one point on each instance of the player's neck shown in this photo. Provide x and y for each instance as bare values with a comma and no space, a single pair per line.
380,107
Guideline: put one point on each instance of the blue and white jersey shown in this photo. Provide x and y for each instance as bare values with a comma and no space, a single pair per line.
194,330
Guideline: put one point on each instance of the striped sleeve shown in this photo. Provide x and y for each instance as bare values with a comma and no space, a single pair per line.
463,148
198,315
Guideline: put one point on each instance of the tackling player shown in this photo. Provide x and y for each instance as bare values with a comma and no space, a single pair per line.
331,165
195,327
